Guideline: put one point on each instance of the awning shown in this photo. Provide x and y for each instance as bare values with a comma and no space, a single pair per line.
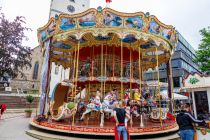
177,96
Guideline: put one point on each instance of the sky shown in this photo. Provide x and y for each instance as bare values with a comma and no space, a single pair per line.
187,16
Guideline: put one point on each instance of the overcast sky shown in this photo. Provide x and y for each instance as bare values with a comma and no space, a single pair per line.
187,16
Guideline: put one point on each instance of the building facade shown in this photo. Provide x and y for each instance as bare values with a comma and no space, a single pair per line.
182,64
58,73
32,78
31,81
68,6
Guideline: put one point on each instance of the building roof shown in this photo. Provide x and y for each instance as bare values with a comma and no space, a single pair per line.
195,81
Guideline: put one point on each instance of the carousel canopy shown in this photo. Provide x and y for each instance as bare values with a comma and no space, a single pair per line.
136,32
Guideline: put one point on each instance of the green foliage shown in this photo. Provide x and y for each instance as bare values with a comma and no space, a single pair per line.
28,110
193,80
13,54
29,98
71,105
203,52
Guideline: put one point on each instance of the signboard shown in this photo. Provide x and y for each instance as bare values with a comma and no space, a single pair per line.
8,89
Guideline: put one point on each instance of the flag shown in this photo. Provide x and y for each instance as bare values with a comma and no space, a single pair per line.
108,1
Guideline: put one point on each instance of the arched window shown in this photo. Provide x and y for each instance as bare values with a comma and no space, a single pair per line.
36,70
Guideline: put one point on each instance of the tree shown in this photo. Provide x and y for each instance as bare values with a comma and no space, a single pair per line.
13,55
203,52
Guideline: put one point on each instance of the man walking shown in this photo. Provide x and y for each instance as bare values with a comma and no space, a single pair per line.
185,120
121,127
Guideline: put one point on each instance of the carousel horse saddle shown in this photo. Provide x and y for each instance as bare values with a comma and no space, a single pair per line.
91,106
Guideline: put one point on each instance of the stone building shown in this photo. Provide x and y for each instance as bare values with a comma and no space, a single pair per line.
31,81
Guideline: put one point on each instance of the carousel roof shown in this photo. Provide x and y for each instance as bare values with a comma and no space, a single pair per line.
96,27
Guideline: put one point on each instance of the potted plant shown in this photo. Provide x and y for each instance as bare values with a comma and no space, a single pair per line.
29,99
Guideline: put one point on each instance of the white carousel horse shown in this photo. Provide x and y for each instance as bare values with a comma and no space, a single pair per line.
80,96
108,106
64,112
94,105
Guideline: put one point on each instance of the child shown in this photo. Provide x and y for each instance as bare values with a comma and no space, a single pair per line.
2,108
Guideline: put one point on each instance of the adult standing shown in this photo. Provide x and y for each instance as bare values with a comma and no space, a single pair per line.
185,121
121,127
3,107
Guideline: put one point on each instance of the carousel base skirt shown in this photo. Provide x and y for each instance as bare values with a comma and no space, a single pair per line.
150,131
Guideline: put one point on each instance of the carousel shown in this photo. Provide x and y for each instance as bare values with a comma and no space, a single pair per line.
106,53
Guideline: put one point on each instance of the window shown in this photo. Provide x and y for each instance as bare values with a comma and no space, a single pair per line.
176,82
176,63
202,105
163,80
70,8
56,70
36,70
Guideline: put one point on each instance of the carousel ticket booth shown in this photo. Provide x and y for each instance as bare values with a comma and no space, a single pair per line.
198,87
107,53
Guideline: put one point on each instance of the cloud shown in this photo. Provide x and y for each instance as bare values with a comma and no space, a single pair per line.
187,16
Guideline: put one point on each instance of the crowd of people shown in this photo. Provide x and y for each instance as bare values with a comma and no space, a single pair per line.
122,110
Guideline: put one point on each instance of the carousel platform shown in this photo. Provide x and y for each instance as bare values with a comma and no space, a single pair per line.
49,136
82,130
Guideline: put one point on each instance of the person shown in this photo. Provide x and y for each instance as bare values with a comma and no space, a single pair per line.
2,109
111,98
137,95
121,128
128,112
94,104
185,120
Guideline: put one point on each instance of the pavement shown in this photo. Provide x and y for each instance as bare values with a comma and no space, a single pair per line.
18,94
14,126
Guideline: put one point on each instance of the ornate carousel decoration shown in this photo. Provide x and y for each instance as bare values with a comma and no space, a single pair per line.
107,53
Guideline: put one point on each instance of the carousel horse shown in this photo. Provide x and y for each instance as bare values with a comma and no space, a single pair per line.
127,70
108,106
85,69
81,95
93,105
59,108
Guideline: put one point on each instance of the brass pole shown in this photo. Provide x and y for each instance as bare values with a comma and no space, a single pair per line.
158,78
140,72
102,69
105,70
130,70
121,70
77,65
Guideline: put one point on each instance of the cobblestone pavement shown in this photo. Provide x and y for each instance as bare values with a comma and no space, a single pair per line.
7,116
13,126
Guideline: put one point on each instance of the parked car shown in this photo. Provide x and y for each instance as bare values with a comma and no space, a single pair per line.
5,81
